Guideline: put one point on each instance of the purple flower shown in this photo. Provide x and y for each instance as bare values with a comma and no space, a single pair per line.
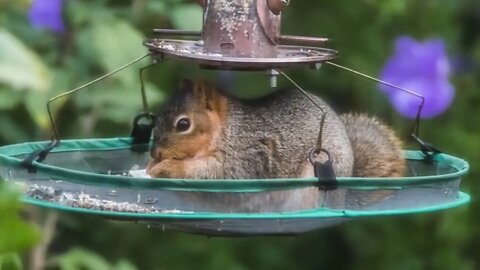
422,68
47,14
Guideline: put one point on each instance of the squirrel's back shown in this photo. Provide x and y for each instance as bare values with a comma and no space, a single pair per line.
275,134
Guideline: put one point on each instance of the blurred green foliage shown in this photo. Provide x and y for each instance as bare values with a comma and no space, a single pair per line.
102,35
10,261
84,259
15,234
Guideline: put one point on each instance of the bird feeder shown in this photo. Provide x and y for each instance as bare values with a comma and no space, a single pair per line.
100,176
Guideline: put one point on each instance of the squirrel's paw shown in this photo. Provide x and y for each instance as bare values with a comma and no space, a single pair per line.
168,168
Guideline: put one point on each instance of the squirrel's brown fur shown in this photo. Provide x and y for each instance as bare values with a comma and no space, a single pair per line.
267,138
376,153
208,111
234,139
376,149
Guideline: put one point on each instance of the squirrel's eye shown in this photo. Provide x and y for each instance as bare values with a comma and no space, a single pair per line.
183,124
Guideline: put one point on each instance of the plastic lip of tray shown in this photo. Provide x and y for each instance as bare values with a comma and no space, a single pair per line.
71,179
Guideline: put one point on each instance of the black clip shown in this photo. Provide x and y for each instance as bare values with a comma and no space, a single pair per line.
323,171
427,149
38,156
142,132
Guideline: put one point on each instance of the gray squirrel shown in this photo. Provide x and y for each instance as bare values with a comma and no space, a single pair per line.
202,133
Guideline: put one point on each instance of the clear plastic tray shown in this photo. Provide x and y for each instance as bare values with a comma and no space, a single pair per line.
91,177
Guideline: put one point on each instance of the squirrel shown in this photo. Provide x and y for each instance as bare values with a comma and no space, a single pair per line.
202,133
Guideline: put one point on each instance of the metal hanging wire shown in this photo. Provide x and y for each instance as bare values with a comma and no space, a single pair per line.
416,126
428,149
324,171
306,94
56,136
142,87
41,154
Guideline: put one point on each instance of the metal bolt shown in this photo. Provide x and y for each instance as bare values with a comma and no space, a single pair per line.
316,66
273,81
273,77
157,58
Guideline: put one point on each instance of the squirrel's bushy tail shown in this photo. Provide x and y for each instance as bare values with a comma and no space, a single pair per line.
377,151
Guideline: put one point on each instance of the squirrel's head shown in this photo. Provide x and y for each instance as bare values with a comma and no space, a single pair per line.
190,124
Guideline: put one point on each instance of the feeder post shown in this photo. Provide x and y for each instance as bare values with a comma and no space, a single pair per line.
240,28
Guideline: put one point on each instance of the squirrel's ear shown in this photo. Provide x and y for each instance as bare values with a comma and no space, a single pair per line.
186,84
213,100
206,94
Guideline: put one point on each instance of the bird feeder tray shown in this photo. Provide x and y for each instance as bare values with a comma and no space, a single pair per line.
93,177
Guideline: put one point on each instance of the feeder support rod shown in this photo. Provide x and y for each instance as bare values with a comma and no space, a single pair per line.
324,113
417,120
54,128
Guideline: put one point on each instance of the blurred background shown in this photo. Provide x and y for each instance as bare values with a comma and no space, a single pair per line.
50,46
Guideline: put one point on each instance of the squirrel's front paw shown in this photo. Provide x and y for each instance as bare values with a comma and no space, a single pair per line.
168,168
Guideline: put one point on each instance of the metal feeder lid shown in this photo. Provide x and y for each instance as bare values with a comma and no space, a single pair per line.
241,35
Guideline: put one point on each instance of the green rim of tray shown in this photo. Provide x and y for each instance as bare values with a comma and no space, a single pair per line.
461,199
11,156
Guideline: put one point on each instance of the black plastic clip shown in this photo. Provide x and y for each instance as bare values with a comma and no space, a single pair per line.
38,156
142,132
323,171
427,149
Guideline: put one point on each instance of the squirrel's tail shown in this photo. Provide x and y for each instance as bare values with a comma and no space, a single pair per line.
377,151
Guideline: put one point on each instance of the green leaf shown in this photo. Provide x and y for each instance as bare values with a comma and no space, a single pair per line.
36,102
9,98
21,68
127,103
83,259
187,17
10,261
9,198
114,43
14,128
80,12
15,234
116,102
124,265
158,7
111,43
80,259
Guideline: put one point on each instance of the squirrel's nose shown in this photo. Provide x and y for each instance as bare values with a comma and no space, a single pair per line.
156,154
